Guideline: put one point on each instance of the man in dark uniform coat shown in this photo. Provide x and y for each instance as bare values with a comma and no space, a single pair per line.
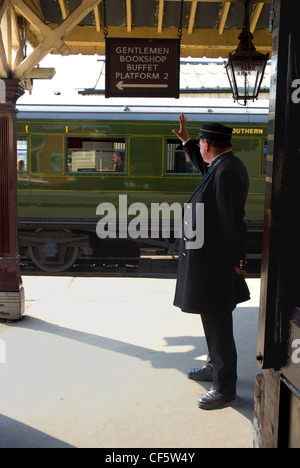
211,278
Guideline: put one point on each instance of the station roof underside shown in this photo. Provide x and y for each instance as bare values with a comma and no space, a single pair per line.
209,29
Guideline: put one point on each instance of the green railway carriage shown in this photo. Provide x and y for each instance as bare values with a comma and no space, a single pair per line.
67,168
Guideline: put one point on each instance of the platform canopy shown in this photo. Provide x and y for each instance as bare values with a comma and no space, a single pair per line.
209,29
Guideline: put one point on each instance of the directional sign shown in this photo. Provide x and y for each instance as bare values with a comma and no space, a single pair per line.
142,67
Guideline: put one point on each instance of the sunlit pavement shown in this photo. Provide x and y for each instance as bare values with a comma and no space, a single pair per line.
101,362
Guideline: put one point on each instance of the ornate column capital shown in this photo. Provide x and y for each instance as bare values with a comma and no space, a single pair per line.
12,90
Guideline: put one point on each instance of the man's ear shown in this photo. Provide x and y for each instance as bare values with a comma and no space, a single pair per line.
206,145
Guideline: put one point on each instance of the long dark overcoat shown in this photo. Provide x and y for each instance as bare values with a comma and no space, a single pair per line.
207,281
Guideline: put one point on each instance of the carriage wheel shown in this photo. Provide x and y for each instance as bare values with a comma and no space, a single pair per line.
54,256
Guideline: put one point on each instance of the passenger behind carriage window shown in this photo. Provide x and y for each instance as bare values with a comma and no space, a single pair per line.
118,159
21,166
178,161
22,155
94,155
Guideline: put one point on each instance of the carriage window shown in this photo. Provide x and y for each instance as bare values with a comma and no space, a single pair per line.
22,154
178,161
86,155
265,154
249,151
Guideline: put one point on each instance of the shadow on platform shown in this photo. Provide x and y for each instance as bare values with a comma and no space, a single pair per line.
15,434
97,364
159,359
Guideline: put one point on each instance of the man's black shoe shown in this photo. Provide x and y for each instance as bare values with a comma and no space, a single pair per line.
204,374
215,399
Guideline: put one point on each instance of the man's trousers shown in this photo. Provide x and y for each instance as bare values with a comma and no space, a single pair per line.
218,329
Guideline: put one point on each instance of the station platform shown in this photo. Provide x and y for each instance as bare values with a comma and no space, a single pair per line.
101,363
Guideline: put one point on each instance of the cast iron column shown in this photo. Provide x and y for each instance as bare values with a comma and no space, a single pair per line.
12,301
